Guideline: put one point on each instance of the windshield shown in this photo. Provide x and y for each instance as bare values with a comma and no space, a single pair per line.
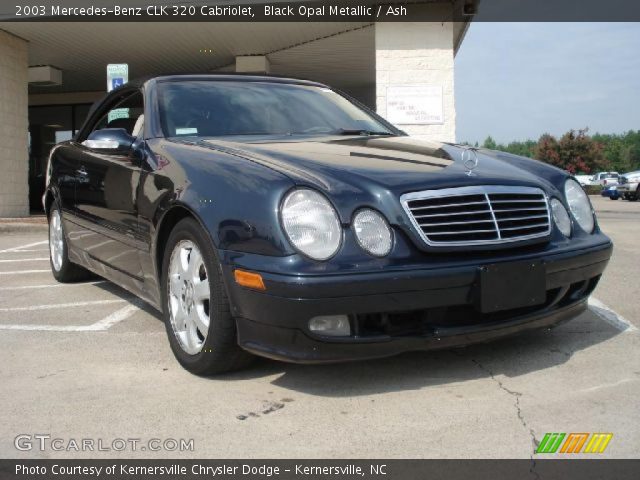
220,108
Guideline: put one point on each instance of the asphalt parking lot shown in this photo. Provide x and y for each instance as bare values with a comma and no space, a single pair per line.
89,361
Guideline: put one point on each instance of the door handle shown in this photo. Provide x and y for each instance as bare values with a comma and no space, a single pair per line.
82,171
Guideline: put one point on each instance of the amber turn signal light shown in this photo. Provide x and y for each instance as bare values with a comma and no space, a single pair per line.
249,279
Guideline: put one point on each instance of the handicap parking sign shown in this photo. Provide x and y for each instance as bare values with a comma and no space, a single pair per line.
117,75
117,82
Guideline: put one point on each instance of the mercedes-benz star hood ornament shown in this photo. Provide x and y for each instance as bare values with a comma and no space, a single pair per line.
470,159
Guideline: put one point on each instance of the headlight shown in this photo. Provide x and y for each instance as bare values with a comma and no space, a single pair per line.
372,232
560,216
579,205
311,223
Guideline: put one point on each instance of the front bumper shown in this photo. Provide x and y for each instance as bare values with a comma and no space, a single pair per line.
393,312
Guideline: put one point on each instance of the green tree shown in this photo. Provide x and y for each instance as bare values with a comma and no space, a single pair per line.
575,152
578,152
489,143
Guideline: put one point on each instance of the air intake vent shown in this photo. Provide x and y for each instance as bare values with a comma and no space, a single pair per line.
479,215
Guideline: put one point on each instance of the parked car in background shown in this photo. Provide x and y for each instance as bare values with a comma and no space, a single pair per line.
278,217
611,191
584,180
629,186
605,178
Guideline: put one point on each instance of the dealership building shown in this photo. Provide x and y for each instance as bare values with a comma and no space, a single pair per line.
52,72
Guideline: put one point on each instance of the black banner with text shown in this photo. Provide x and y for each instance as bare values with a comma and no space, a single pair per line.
320,11
586,469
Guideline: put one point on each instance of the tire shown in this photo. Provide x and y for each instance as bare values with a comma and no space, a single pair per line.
62,268
190,272
614,198
635,197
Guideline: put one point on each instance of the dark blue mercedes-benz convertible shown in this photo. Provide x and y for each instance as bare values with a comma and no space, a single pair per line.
281,218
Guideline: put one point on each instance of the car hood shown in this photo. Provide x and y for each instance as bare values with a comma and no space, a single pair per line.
395,164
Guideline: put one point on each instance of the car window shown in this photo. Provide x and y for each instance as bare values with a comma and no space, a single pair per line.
221,108
124,114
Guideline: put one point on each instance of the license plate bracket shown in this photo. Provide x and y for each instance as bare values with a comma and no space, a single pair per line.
506,286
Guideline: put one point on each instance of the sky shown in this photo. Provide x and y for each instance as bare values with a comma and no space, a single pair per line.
516,81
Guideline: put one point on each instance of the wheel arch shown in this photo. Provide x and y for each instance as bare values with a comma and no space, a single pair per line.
167,223
47,202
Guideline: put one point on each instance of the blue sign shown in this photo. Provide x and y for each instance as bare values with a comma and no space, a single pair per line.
117,75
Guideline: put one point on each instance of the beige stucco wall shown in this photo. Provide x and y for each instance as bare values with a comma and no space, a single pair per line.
14,188
417,54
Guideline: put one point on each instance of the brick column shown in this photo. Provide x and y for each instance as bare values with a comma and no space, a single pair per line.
14,155
417,54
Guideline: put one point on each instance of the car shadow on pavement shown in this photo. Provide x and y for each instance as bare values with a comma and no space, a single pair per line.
512,357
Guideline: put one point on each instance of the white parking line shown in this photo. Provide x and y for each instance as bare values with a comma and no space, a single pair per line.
39,259
115,317
46,328
28,250
61,305
28,245
51,285
611,317
23,272
609,385
100,326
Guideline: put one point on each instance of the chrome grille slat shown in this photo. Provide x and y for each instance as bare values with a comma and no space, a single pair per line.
455,213
478,215
517,201
525,227
455,223
449,205
528,209
511,219
462,232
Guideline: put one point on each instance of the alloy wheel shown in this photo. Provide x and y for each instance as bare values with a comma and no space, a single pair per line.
189,296
56,240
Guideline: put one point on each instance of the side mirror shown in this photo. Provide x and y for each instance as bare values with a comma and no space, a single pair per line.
115,140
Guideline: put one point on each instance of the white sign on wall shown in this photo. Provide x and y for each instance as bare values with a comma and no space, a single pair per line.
117,75
415,105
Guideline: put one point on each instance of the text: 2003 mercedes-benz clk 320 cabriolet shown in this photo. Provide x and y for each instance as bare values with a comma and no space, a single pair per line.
281,218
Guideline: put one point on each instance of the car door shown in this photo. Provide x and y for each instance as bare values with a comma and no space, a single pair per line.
105,195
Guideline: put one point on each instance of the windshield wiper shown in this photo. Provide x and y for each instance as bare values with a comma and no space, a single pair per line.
360,131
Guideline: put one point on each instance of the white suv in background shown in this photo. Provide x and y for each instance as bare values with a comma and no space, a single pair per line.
629,185
605,178
584,180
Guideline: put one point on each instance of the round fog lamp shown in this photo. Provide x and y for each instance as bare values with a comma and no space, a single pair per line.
331,325
372,232
560,216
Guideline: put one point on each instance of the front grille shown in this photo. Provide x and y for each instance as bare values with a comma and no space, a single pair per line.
478,215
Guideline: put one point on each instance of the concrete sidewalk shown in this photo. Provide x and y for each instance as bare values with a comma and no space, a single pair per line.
31,224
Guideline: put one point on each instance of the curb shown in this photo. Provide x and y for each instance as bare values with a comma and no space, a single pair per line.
23,227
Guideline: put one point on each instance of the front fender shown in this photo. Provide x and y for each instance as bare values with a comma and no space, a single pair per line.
235,200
